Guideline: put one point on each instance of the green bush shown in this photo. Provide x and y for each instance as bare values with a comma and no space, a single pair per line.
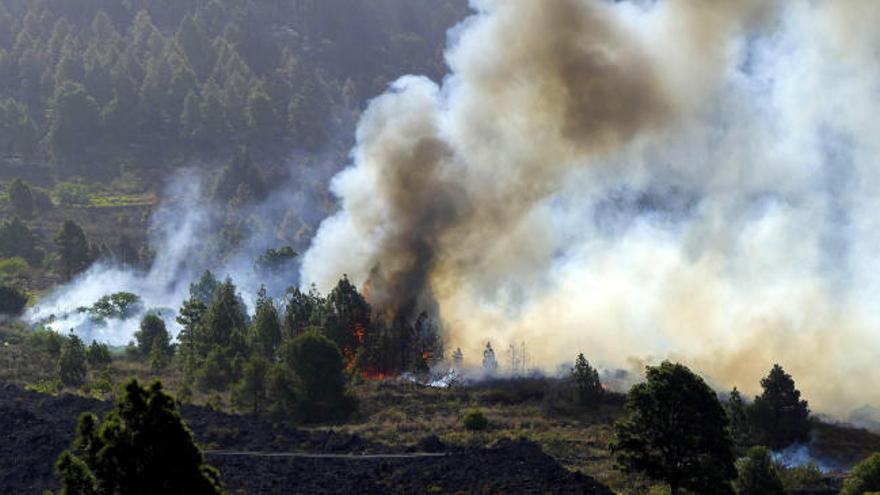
72,194
757,475
49,341
98,355
475,420
865,477
807,477
317,365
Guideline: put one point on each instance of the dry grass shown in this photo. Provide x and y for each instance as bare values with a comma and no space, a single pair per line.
401,413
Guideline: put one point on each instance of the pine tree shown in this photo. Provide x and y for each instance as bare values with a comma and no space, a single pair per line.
74,249
73,121
153,335
72,363
345,311
142,446
21,198
214,124
98,355
225,320
250,393
192,41
740,428
262,121
266,327
300,311
779,415
587,384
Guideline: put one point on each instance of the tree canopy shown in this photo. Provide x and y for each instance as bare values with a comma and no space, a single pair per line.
675,430
142,446
779,415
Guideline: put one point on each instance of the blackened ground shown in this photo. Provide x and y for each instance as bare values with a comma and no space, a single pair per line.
35,428
511,466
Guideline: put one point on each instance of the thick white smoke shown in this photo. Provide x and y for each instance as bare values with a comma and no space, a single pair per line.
637,181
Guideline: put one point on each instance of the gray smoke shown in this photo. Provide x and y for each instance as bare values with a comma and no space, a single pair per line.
635,180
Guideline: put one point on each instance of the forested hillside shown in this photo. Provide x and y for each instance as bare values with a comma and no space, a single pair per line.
95,87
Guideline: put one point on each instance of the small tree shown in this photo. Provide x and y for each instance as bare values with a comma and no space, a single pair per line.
21,198
141,447
151,334
98,355
72,363
317,363
216,373
865,477
757,474
675,430
159,356
74,249
740,427
16,239
266,327
587,384
281,391
779,415
250,392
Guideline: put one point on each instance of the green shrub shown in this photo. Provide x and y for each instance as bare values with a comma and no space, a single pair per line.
51,387
757,475
475,420
319,369
49,341
865,477
801,478
72,194
98,355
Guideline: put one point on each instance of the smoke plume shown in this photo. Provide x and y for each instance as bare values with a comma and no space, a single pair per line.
635,180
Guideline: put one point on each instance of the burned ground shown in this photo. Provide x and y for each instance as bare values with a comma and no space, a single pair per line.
37,427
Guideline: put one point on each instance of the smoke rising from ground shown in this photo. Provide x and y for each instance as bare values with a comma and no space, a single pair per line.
635,180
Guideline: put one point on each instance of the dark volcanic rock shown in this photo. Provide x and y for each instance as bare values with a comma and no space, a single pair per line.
36,428
431,443
511,467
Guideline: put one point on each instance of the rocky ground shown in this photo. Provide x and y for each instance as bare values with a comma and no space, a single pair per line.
36,428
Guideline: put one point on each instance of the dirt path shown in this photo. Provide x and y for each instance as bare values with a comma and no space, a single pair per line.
306,455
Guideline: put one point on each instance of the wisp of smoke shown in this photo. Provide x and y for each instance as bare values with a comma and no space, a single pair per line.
184,233
635,180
